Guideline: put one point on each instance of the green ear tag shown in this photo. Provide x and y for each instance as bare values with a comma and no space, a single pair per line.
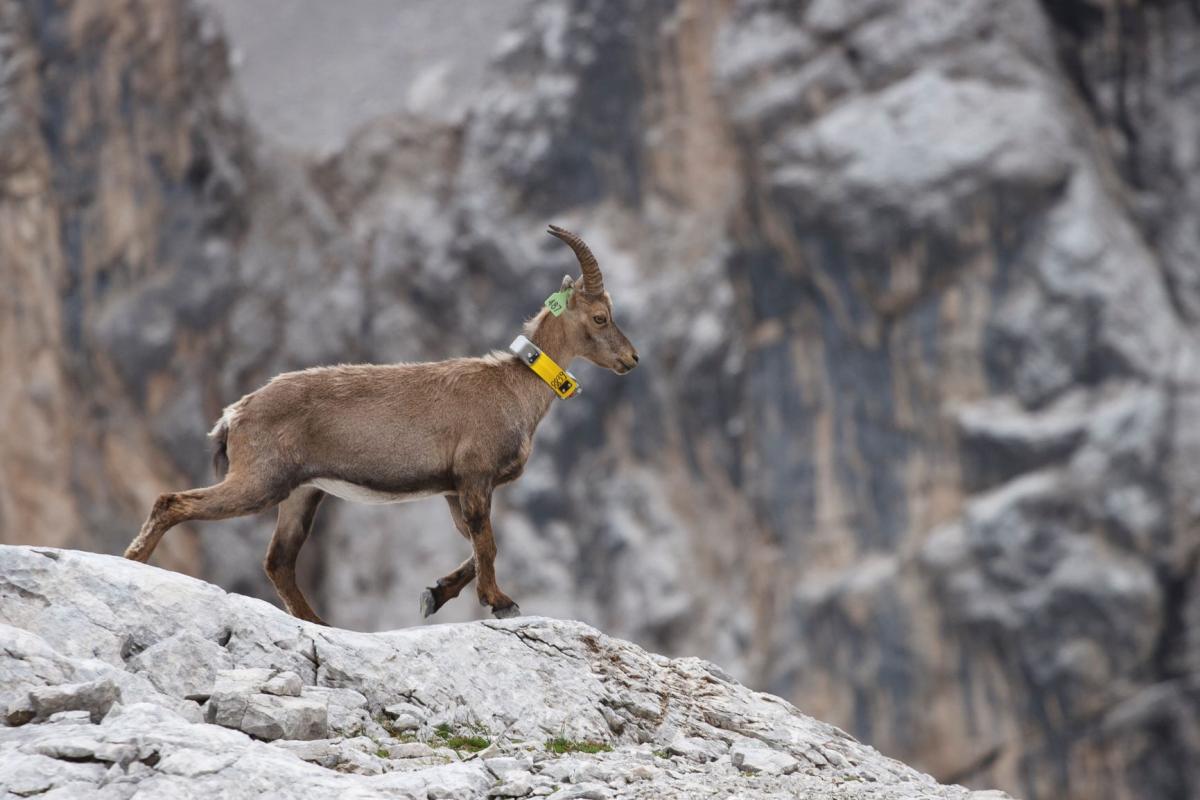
557,302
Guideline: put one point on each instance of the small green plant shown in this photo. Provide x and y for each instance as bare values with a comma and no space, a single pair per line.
382,752
662,754
560,745
471,741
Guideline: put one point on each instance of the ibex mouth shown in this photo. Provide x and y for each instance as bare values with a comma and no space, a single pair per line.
624,367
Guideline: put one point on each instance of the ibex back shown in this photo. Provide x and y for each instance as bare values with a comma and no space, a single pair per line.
389,433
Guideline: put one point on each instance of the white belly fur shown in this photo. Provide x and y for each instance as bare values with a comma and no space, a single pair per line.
361,494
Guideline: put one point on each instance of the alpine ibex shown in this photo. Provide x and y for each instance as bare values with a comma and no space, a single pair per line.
389,433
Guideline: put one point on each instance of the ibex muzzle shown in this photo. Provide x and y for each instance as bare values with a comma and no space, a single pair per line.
390,433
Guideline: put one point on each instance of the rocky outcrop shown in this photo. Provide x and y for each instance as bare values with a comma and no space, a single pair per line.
101,650
913,443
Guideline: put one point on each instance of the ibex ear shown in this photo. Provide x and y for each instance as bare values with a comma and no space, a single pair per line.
569,283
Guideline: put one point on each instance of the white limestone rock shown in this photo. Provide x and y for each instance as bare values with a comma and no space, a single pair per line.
515,683
410,750
269,717
749,758
182,665
95,697
514,783
284,684
695,748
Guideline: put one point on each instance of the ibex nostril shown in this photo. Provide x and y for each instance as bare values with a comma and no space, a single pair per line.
636,359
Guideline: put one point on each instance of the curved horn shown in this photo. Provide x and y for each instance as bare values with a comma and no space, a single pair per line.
593,281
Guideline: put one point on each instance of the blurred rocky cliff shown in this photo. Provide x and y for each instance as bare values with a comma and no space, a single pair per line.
915,282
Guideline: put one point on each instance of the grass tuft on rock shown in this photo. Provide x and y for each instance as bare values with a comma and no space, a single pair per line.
560,746
472,742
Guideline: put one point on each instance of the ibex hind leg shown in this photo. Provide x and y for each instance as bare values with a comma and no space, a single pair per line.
448,586
229,498
296,515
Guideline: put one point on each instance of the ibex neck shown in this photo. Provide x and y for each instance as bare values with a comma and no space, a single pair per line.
551,337
549,333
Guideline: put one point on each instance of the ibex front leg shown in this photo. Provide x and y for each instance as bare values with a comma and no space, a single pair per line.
476,504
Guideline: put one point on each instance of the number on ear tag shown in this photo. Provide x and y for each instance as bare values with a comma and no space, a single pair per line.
557,302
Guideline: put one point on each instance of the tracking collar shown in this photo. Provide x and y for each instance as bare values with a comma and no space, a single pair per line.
562,382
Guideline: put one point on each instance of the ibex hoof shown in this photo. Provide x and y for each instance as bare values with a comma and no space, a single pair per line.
508,611
429,603
137,555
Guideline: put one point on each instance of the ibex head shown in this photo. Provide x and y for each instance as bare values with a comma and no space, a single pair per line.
589,314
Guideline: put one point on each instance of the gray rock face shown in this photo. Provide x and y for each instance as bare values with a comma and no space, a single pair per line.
490,694
182,664
267,706
94,698
763,760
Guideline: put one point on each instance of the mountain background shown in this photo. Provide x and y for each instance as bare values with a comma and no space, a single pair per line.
916,285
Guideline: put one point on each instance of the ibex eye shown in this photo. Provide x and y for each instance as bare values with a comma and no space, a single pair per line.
599,319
